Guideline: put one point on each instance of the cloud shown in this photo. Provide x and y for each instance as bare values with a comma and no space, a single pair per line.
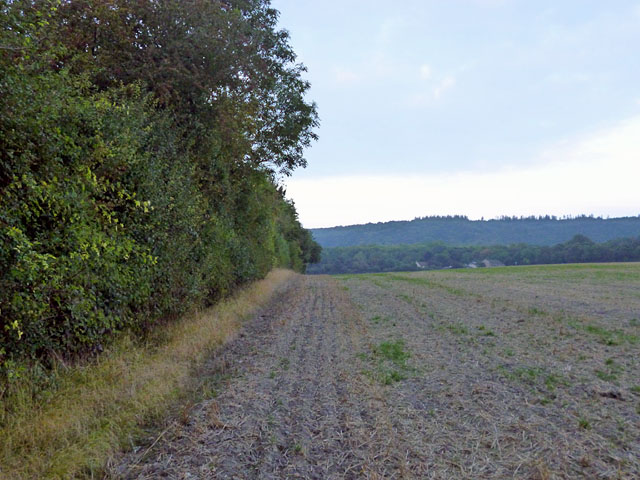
425,72
447,83
597,174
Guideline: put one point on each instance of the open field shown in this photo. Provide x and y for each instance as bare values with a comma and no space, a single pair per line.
525,372
530,371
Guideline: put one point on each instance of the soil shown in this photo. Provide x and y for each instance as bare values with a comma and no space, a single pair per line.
496,377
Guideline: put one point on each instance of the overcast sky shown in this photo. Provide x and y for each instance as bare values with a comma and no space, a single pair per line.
474,107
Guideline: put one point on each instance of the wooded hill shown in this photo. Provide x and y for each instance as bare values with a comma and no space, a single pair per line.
140,147
389,258
459,230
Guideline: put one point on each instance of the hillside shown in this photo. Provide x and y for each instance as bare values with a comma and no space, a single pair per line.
459,230
435,256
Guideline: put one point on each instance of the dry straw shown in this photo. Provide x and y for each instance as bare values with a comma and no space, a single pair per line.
99,407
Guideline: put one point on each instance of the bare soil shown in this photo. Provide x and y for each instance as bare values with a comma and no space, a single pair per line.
531,376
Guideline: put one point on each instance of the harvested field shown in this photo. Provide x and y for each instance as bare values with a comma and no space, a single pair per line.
527,372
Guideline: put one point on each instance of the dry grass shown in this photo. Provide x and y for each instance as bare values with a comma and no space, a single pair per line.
98,408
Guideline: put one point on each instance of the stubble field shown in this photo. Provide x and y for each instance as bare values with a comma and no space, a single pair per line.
528,372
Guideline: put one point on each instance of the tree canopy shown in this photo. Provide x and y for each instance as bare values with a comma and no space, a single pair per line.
434,256
141,143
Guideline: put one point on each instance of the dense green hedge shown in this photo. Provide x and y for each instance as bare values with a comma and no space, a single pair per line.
140,146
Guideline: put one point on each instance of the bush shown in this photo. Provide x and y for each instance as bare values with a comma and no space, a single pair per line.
124,200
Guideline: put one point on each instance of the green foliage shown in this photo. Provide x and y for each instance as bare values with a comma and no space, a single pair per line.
389,361
390,258
139,159
393,351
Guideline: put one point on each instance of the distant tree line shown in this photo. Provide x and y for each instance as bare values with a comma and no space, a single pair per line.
141,144
389,258
459,230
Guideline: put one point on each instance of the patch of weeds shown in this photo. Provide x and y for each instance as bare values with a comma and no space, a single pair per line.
385,376
635,389
378,319
486,332
210,386
457,329
528,374
584,423
393,351
606,336
536,377
284,364
552,380
536,311
273,374
390,362
634,322
611,372
406,298
509,352
389,377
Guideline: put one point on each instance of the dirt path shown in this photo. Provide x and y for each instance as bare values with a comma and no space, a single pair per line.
384,377
293,404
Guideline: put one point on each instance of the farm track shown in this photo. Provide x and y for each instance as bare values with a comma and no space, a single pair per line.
292,405
497,385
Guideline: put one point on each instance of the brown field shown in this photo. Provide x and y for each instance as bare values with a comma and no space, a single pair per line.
527,372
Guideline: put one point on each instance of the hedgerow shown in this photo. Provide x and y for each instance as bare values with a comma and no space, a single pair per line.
140,149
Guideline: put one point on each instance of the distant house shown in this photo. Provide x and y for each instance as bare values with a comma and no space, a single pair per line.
422,265
492,263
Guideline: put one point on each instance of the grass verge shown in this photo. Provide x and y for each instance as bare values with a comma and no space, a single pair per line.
94,410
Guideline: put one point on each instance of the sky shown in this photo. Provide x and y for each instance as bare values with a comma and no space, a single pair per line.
474,107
